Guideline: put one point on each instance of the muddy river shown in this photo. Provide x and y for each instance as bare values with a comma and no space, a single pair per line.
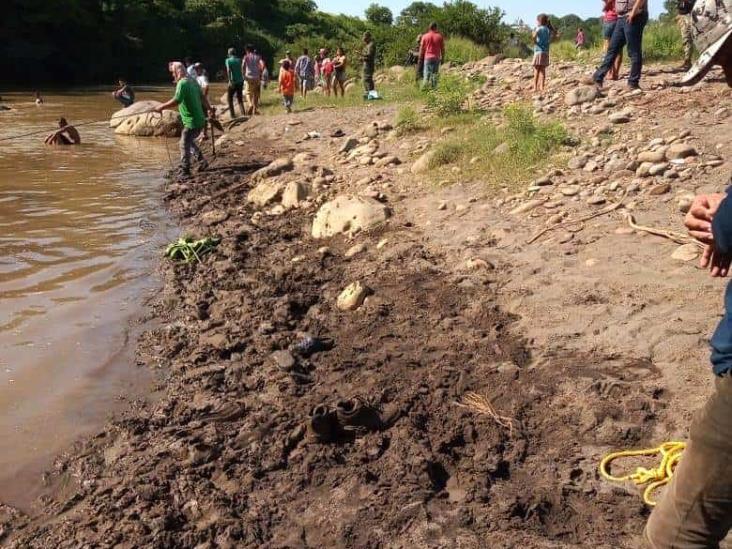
80,230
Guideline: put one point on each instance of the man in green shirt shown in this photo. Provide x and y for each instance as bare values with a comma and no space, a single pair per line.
192,105
236,82
368,56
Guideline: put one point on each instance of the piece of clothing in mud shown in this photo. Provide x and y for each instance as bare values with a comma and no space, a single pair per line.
233,70
543,39
125,95
722,339
190,105
432,46
695,509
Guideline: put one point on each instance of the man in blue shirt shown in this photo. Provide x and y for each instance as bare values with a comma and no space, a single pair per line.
696,509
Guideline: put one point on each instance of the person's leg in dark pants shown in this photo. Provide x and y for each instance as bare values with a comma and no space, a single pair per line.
230,91
634,38
617,43
188,147
240,97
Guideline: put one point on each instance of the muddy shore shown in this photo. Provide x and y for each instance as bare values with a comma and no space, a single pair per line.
226,458
573,346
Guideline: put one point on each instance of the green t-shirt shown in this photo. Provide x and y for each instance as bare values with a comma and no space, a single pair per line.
233,64
188,96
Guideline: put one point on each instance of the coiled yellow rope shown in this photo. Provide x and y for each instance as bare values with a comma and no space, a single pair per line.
655,478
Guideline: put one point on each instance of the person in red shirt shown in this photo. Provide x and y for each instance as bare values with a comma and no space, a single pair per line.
287,85
431,52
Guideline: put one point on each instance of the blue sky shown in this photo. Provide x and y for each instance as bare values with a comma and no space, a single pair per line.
524,9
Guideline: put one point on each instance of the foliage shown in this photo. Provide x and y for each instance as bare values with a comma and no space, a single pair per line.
662,42
407,121
450,96
463,50
471,148
379,15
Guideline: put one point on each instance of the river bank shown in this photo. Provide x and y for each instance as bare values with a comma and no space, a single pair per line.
577,343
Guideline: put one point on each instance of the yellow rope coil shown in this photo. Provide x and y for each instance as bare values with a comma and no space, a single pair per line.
655,478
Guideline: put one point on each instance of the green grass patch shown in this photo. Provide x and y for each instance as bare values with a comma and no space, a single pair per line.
408,121
662,42
463,50
450,96
471,148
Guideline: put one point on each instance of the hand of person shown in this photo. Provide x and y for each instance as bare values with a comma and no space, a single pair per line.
631,16
718,264
699,219
159,109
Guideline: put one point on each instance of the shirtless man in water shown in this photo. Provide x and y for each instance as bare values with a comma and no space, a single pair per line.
65,135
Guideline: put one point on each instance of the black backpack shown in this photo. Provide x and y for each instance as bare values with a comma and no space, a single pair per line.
684,7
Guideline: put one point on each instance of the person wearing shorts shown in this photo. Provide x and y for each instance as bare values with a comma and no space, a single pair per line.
542,36
253,67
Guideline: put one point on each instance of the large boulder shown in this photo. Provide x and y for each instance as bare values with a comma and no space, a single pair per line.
583,94
265,193
422,164
347,214
147,124
136,108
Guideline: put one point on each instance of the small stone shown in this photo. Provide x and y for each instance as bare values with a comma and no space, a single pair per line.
570,191
659,189
442,206
283,359
591,262
527,207
383,242
352,297
684,202
596,200
624,230
619,118
355,250
658,169
503,148
653,157
577,162
214,217
543,181
680,151
686,252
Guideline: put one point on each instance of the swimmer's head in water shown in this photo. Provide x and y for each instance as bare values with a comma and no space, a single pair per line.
62,122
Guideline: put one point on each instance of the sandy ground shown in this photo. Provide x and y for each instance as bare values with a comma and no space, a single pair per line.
589,339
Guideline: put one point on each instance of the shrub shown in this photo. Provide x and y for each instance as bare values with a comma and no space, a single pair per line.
447,152
463,50
407,121
662,42
450,95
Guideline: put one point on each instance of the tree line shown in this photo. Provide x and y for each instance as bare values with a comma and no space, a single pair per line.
66,42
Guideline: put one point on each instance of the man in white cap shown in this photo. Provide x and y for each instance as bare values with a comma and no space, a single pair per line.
696,508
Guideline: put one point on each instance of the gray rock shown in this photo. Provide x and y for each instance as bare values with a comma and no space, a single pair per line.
276,167
680,150
583,94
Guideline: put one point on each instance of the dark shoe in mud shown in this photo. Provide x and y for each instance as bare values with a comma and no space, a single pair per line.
357,414
323,424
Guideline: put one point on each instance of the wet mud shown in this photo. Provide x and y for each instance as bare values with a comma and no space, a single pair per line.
250,342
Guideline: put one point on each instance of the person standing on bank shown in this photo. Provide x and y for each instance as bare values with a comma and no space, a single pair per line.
236,83
192,105
368,57
683,20
431,53
632,20
695,511
253,66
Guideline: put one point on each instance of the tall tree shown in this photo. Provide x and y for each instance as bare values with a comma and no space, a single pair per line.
379,15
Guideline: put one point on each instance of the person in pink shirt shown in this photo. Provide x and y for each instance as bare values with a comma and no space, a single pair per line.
431,52
580,39
609,20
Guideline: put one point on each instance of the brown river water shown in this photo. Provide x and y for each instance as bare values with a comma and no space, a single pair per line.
81,229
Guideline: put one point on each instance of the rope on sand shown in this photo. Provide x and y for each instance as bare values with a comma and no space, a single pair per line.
656,477
679,238
604,211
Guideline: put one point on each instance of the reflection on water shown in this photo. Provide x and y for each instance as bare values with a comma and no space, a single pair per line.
79,227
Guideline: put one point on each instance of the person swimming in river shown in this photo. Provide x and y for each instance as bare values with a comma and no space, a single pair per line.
124,94
65,135
39,99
